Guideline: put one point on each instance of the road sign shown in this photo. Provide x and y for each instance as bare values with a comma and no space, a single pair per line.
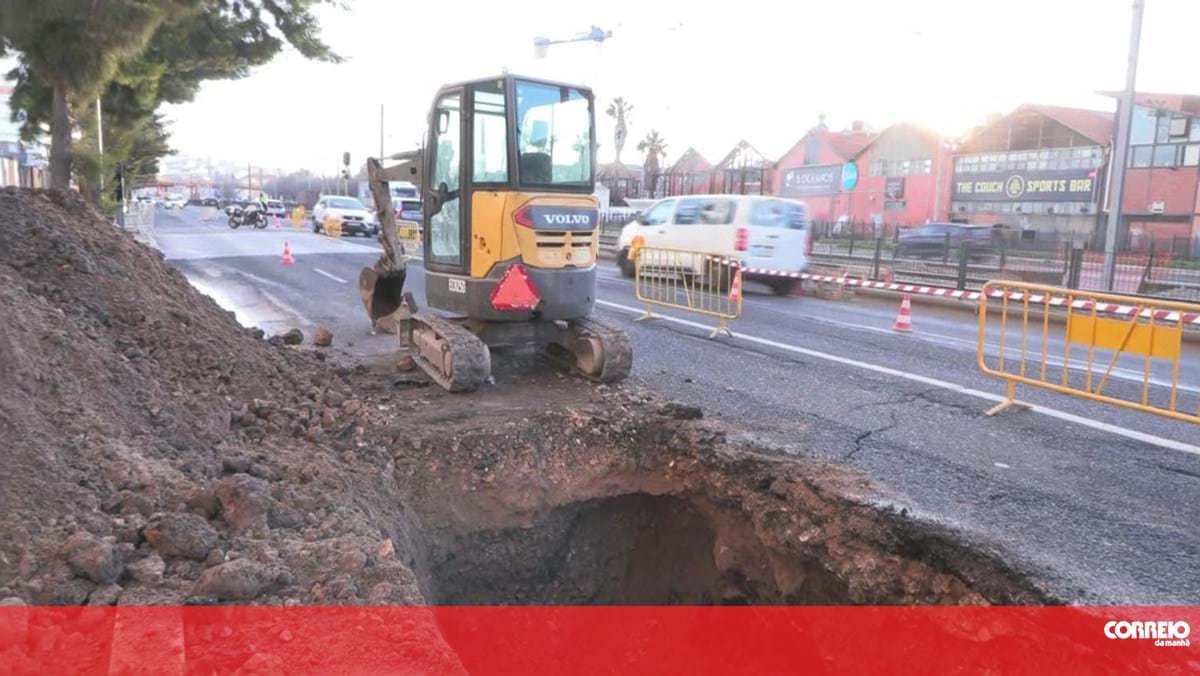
849,176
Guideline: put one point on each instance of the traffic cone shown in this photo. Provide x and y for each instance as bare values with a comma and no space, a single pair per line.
287,254
277,225
735,288
904,319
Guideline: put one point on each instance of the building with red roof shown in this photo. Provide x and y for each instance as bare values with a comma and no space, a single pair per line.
1039,169
812,170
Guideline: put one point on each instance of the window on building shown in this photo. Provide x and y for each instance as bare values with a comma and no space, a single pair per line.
1191,155
1162,132
1164,155
1141,156
1194,131
1179,128
1142,129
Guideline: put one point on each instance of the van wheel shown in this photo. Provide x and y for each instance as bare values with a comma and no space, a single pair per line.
624,263
316,227
783,287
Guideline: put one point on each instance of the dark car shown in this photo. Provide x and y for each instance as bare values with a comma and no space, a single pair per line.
945,239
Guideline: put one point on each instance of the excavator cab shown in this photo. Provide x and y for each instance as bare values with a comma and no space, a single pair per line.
511,230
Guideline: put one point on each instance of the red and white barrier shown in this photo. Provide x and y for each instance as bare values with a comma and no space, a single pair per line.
1189,318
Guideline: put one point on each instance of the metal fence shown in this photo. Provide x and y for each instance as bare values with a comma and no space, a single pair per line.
877,256
688,280
1129,356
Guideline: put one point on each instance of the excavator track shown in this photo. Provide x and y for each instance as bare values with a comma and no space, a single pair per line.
599,352
454,357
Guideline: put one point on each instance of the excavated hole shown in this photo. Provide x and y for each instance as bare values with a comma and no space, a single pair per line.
670,513
631,549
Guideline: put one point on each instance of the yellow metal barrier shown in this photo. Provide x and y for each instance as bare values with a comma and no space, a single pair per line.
688,280
332,226
1120,350
410,233
298,217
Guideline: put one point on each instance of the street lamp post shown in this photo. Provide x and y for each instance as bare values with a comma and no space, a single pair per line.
1120,156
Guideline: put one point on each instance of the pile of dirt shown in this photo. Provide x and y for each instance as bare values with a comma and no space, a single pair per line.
154,451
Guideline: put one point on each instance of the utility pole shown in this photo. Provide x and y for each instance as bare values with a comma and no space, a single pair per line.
1120,156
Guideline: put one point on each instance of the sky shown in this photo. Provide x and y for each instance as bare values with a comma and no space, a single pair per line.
704,74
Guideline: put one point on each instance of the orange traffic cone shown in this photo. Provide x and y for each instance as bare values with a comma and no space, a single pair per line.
735,288
904,319
287,254
277,225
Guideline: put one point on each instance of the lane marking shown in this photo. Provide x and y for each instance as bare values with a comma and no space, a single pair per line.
335,278
933,382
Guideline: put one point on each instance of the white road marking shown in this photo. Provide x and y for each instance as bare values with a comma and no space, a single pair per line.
335,278
935,382
990,349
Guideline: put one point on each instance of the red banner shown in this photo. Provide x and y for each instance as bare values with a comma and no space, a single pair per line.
683,640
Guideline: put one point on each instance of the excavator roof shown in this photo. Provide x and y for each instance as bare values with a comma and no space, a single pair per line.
509,77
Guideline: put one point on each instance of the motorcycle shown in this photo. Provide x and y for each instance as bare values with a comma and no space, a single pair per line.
253,215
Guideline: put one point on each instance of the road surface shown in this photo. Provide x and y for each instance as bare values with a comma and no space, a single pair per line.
1099,503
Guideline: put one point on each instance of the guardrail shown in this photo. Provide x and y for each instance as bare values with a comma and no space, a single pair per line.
1135,341
690,281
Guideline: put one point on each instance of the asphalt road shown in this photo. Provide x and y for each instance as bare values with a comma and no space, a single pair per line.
1098,502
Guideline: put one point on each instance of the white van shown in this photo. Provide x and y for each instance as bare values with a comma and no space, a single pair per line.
759,231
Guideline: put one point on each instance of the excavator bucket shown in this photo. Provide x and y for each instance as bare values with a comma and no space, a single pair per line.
381,286
382,295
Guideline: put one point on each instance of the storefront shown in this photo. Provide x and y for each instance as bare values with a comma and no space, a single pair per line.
1039,169
815,170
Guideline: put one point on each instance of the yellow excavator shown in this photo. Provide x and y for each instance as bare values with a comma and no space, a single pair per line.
510,234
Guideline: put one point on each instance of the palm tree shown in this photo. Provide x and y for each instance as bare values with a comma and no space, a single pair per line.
619,110
656,149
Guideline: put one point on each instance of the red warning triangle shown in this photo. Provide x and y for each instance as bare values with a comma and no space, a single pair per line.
516,292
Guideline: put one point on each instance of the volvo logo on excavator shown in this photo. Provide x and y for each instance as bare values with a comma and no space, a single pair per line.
556,218
569,219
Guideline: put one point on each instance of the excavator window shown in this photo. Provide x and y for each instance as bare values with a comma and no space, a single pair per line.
554,136
445,226
489,133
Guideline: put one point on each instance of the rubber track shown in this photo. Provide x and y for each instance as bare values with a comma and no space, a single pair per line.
472,361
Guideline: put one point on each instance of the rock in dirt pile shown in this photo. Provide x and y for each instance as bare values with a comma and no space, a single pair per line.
154,451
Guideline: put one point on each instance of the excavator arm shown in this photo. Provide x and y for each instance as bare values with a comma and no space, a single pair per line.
382,285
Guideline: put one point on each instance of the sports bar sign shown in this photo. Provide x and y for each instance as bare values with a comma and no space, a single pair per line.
1052,185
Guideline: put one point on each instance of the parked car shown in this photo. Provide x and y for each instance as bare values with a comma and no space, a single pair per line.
758,231
356,218
945,239
409,210
276,208
175,202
